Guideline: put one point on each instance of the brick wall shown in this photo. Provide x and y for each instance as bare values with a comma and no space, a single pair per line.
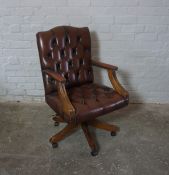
133,34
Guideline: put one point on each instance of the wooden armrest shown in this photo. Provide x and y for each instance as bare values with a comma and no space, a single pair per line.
104,65
116,84
55,75
68,109
112,77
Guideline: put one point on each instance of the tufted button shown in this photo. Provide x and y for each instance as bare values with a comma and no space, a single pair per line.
81,61
67,41
54,42
74,51
66,76
49,55
79,39
58,67
62,53
77,74
70,64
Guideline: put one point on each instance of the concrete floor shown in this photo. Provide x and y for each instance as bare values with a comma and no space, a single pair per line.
140,148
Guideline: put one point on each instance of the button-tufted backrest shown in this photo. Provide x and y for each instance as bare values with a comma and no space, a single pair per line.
67,51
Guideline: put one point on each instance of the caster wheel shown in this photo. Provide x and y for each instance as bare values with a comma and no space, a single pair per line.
94,152
56,124
54,145
113,133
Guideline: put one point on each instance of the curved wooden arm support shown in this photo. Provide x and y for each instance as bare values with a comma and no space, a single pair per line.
112,77
68,108
104,65
116,84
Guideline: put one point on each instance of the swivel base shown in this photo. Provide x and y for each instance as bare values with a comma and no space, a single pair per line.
69,128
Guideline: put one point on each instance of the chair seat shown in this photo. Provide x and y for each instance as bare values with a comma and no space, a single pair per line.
89,100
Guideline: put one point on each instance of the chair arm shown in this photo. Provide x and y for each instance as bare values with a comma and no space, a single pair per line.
112,77
68,109
104,65
116,84
55,75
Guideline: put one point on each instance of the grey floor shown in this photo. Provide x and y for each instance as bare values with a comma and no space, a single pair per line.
140,148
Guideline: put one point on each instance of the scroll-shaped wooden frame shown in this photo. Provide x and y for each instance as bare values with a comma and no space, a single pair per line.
68,109
116,84
111,69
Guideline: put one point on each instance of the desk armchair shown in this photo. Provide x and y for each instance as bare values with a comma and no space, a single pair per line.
67,70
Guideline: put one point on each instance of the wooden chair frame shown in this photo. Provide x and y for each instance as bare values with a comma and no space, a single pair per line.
70,111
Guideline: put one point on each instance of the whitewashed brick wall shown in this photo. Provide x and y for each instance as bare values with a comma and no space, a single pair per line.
133,34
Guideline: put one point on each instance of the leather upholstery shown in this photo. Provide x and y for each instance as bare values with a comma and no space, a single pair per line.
67,51
90,101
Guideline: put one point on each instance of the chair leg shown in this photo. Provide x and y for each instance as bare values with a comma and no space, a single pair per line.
69,128
62,134
90,139
105,126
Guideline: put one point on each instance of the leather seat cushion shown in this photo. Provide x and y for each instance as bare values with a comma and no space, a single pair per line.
89,100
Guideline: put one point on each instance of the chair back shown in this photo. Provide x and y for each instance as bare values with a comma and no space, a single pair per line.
67,51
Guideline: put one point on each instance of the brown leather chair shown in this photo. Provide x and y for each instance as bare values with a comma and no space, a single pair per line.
67,69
